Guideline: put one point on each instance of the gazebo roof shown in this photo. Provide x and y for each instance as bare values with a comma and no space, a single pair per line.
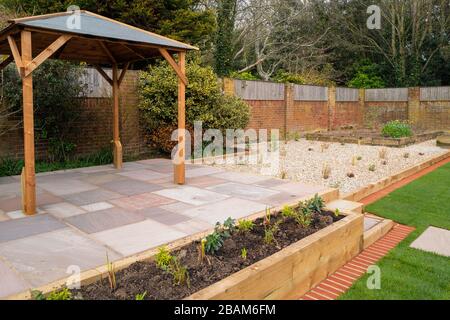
123,41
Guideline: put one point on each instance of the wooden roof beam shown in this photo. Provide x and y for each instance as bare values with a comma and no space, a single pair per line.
108,52
103,74
16,55
122,74
174,65
47,53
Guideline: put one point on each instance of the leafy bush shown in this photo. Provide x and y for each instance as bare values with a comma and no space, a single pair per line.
366,75
312,77
204,102
397,129
244,76
56,104
215,240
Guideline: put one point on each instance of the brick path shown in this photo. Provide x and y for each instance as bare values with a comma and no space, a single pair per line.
340,281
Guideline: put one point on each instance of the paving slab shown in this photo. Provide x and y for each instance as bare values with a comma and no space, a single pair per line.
131,187
11,281
220,211
198,171
102,178
204,181
279,199
434,240
241,177
22,228
162,216
192,195
245,191
193,226
346,205
270,183
141,201
98,206
138,237
143,175
62,187
300,189
8,190
177,207
369,223
44,258
103,220
7,180
3,216
15,203
63,210
93,196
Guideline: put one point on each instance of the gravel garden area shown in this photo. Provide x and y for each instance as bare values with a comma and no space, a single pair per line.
348,167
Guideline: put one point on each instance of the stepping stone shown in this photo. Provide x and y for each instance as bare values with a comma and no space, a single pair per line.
103,220
27,227
245,191
138,237
345,205
369,223
192,195
44,258
443,141
434,240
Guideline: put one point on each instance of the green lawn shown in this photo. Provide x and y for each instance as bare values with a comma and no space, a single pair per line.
408,273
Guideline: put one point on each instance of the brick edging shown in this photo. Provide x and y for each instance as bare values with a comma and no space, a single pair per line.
342,280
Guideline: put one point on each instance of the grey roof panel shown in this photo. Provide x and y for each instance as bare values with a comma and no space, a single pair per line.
92,25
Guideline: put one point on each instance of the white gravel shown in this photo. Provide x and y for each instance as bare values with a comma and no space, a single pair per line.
299,164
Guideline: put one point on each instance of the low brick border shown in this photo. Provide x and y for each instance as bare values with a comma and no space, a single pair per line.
343,279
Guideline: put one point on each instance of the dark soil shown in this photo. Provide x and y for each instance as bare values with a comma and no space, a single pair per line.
143,277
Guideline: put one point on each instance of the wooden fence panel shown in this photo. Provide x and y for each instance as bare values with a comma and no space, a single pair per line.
347,94
391,94
259,90
310,93
435,94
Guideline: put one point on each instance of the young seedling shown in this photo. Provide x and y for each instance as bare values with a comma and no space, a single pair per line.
406,155
202,250
359,158
382,153
244,254
140,296
354,161
267,217
111,274
245,225
337,212
283,175
288,212
372,168
304,217
163,259
179,273
326,171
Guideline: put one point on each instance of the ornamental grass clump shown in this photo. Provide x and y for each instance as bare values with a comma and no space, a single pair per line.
397,129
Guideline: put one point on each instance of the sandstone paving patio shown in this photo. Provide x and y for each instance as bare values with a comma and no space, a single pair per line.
85,213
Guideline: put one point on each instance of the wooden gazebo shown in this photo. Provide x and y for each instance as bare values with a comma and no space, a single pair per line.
99,41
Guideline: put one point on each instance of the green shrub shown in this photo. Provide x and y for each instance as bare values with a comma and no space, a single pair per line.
248,76
204,102
397,129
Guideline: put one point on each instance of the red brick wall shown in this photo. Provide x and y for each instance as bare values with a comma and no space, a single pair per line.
94,125
378,113
267,115
346,114
308,116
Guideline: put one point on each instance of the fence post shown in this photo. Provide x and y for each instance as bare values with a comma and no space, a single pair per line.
228,86
288,108
362,105
414,105
331,105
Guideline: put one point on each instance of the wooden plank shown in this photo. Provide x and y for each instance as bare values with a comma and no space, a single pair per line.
108,52
116,133
181,74
388,94
133,51
124,71
29,187
180,170
47,53
16,54
435,94
347,94
310,93
259,90
104,75
6,62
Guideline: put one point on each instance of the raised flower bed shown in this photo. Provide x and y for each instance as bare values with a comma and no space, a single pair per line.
277,256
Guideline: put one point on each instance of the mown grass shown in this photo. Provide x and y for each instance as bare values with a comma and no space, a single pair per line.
408,273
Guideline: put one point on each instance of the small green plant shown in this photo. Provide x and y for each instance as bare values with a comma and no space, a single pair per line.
354,161
163,258
316,204
326,171
229,226
283,174
203,250
288,212
245,225
337,212
267,217
359,158
304,217
244,254
37,295
179,273
140,296
372,168
397,129
111,274
63,294
214,242
406,155
269,234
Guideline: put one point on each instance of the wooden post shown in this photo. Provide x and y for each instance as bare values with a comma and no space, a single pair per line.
29,180
180,174
116,132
